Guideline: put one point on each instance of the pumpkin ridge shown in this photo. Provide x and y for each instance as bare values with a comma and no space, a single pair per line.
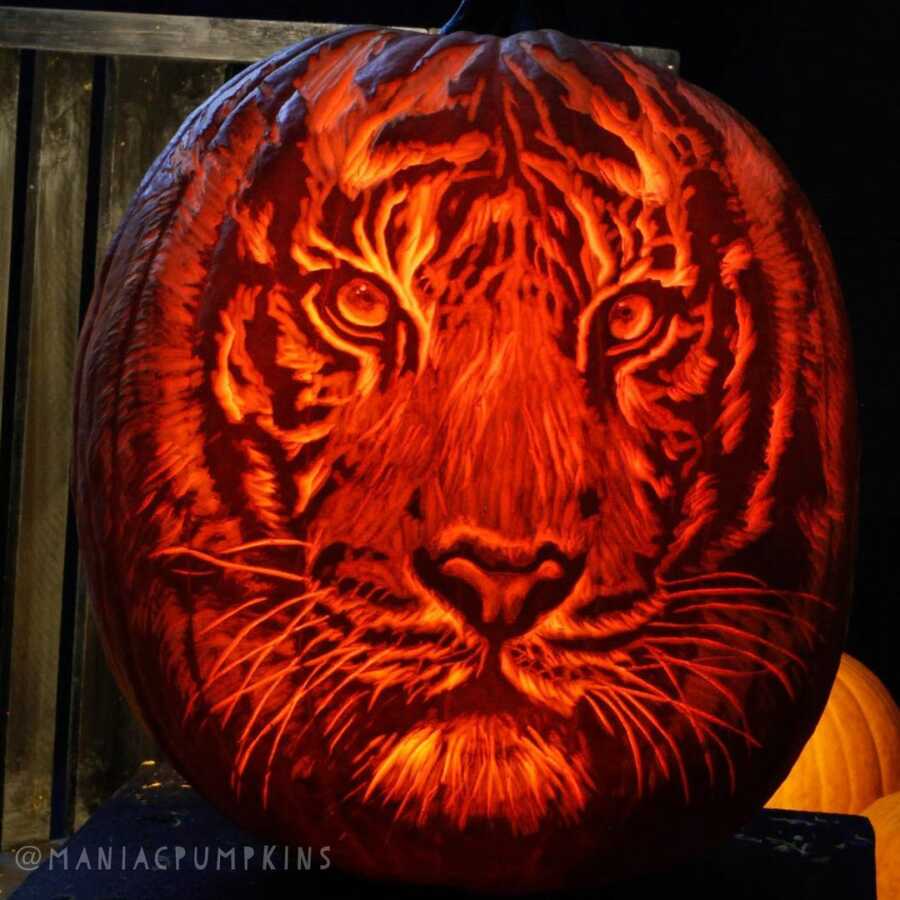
96,308
855,700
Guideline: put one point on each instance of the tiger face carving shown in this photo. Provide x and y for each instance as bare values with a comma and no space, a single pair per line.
464,465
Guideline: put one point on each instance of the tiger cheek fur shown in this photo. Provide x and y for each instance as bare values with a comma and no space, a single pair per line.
465,460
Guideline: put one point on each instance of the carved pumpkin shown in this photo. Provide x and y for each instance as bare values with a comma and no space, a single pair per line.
884,815
464,458
853,756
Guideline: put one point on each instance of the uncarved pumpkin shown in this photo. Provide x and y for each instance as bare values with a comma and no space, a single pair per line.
853,756
465,458
884,814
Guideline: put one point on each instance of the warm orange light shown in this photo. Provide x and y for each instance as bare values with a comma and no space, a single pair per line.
464,457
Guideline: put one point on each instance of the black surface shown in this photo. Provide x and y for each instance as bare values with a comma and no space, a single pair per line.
778,856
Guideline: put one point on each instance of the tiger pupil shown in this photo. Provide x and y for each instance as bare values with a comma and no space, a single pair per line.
630,317
363,297
362,305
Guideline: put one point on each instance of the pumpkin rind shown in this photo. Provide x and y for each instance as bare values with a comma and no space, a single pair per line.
884,815
465,458
853,756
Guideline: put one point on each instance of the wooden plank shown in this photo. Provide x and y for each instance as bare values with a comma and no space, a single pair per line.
141,34
73,612
183,37
9,95
136,129
9,106
137,125
39,486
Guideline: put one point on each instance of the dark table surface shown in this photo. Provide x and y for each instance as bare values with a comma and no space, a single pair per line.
779,854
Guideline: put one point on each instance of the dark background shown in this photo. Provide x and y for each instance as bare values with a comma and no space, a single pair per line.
821,84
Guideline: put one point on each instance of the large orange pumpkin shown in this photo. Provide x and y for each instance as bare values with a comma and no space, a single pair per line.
465,458
853,756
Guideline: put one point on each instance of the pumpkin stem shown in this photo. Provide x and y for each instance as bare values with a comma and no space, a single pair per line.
511,17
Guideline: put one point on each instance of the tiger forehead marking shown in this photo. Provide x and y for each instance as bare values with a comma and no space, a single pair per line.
493,251
510,378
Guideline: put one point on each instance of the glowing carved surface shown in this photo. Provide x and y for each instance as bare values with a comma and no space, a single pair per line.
464,465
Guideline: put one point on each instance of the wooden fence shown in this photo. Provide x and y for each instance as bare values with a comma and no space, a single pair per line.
87,101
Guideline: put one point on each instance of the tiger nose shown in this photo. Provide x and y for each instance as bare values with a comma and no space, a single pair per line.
498,596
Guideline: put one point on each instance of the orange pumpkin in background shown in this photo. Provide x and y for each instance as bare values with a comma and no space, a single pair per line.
465,458
853,756
884,814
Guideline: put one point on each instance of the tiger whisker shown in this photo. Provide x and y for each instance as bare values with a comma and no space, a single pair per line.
738,632
713,673
336,715
220,620
666,660
657,752
298,664
337,737
322,637
350,677
714,576
284,713
238,639
248,684
262,651
701,663
220,667
748,592
277,678
217,667
290,709
375,694
629,735
336,659
677,755
261,657
746,607
248,687
708,734
224,564
706,663
689,709
726,755
718,645
285,718
600,715
265,542
627,674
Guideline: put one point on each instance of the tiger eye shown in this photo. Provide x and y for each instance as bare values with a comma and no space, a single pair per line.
630,317
362,303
